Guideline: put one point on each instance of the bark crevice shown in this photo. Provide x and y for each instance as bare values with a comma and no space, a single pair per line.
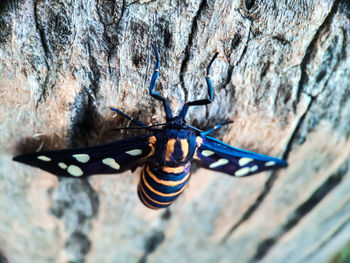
194,25
332,181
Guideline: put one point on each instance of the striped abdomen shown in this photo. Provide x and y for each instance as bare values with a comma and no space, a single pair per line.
160,186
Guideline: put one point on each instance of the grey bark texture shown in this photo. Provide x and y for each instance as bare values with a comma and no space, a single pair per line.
282,75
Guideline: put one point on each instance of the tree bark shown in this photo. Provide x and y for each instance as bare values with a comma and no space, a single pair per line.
282,75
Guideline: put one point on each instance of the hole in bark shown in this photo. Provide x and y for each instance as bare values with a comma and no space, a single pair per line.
58,208
79,242
151,244
265,69
345,7
235,41
167,214
248,4
288,95
167,38
136,60
263,248
281,39
321,75
3,259
5,30
8,6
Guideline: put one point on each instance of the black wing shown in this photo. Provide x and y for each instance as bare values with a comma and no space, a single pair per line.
114,157
219,156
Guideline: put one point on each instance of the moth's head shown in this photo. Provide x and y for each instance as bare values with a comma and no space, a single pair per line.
176,123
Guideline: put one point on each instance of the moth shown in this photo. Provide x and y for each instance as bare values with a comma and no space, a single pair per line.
166,154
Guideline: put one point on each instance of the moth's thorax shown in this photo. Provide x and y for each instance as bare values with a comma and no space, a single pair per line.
175,147
176,123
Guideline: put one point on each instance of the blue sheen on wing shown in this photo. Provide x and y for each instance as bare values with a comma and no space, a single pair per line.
219,156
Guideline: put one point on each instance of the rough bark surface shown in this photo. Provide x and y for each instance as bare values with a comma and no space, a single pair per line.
283,76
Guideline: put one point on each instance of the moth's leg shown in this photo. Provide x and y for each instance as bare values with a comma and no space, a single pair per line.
136,122
154,94
215,128
210,92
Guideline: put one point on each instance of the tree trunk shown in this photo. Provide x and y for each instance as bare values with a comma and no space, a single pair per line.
282,75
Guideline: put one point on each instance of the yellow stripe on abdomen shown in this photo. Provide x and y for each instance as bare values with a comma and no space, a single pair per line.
151,199
158,192
143,200
166,182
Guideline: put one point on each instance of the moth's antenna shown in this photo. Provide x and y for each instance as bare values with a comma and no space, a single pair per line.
205,133
202,101
128,117
138,127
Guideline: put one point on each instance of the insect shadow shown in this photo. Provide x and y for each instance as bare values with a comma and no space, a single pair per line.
88,127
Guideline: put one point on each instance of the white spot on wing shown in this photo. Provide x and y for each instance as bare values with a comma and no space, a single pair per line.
111,163
134,152
254,168
74,170
62,165
243,161
207,153
270,163
44,158
82,157
242,172
220,162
